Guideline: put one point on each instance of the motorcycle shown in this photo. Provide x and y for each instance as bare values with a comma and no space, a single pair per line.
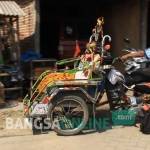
137,76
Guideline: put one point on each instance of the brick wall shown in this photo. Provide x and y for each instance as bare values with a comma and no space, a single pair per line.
27,24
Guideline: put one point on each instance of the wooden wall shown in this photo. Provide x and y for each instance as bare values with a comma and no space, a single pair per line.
128,20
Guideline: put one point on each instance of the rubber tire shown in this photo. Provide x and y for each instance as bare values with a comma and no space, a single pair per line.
85,117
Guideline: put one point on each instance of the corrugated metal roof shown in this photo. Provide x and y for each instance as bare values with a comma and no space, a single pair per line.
10,8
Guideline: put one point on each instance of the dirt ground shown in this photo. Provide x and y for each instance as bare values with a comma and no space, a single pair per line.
8,113
17,112
116,138
14,113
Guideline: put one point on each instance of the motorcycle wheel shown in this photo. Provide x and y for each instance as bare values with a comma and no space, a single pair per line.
68,114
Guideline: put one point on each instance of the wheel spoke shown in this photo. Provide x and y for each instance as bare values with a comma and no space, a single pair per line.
75,112
69,107
63,110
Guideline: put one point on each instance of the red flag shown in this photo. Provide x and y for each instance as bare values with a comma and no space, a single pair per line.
77,49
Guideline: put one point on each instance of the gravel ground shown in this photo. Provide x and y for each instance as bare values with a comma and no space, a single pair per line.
13,113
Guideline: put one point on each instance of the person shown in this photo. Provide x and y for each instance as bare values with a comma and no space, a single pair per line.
89,63
142,75
139,53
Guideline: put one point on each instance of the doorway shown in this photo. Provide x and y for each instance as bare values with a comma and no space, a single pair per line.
56,16
49,30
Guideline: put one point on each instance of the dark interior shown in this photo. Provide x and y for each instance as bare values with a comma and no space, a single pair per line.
81,16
